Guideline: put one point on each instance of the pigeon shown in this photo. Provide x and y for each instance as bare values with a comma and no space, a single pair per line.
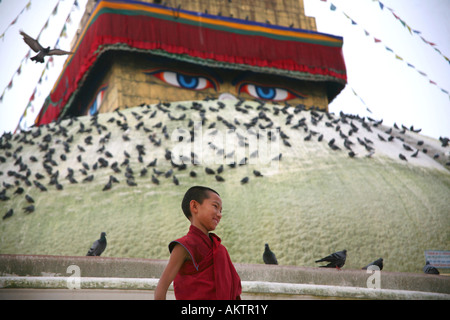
131,182
155,180
336,260
269,256
42,52
429,269
257,173
29,199
8,214
407,148
244,180
108,186
219,178
29,209
378,263
98,246
89,178
19,190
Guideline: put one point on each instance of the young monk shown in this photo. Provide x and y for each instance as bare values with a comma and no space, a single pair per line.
199,265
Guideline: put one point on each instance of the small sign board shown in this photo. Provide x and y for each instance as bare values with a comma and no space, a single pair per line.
438,258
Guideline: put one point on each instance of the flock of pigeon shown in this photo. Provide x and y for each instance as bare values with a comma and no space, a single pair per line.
337,260
50,139
146,128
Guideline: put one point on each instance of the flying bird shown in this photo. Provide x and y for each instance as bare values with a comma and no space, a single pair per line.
269,256
336,260
378,263
42,52
98,246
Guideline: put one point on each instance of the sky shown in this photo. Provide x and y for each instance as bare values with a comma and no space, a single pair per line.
13,51
384,84
381,84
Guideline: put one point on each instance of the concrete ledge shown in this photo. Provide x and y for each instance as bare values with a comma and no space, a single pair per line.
48,265
260,288
337,291
85,283
292,277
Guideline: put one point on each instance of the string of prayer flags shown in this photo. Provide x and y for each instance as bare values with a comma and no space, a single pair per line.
396,56
27,6
356,95
411,30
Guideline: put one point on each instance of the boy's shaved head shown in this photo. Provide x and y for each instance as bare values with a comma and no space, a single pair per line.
197,193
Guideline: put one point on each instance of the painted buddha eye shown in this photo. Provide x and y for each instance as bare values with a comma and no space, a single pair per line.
185,81
268,92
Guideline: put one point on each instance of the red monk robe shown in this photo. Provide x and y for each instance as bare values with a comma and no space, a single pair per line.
210,274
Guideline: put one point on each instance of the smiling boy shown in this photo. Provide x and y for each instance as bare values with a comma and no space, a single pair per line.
199,265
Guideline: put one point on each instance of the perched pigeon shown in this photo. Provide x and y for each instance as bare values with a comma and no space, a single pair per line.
98,246
269,256
29,209
378,263
42,52
336,260
244,180
8,214
429,269
29,199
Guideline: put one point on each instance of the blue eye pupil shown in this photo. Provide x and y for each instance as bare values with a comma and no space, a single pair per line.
265,92
187,81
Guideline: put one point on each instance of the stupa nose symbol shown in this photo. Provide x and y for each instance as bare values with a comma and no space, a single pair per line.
227,96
